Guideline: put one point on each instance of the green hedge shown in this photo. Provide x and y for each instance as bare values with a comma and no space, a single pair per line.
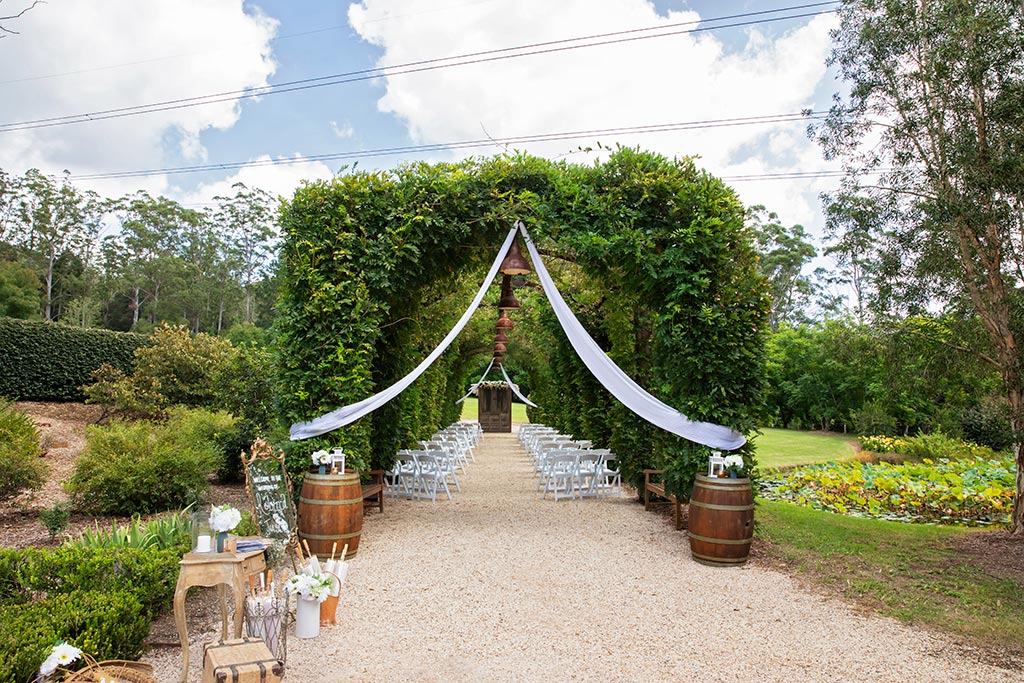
99,600
50,362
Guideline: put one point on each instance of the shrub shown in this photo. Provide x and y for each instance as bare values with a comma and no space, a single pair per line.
177,368
988,423
170,531
50,362
138,467
873,419
55,519
245,388
106,625
20,467
923,446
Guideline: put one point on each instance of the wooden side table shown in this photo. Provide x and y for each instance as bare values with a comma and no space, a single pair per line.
220,570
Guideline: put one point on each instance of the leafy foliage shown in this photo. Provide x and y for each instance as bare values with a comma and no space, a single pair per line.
20,466
936,445
374,263
167,532
977,490
48,362
140,467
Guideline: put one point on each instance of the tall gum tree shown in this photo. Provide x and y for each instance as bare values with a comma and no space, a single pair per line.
935,112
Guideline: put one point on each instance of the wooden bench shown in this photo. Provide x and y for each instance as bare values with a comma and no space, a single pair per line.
658,489
373,492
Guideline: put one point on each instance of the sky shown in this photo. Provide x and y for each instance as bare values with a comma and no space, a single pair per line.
76,57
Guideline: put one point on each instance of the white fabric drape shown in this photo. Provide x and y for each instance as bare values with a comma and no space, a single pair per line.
473,387
515,389
618,383
351,413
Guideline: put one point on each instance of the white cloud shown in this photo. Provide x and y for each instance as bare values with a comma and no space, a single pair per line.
278,180
344,130
94,55
689,77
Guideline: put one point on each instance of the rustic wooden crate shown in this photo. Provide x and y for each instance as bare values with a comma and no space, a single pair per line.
245,660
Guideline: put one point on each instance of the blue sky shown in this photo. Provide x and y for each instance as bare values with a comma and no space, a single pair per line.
77,56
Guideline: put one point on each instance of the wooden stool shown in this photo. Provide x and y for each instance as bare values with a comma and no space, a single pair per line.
245,660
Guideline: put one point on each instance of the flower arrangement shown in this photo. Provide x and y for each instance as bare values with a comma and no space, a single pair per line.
224,518
61,655
310,586
734,465
321,457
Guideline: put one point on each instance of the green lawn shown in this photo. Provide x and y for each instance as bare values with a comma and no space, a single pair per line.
787,447
914,572
469,410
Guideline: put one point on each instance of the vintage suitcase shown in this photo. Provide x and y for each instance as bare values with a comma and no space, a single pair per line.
245,660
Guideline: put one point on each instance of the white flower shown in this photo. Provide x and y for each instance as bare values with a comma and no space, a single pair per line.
321,458
312,586
734,461
61,655
224,517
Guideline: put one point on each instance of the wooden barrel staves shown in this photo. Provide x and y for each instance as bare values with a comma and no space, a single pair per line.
721,520
331,511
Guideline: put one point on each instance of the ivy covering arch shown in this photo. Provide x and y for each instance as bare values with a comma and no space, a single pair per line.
652,255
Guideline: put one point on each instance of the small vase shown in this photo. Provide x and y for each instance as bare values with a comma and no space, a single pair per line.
733,475
322,469
221,537
307,618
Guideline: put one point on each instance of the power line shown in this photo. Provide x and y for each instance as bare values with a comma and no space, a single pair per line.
481,57
798,117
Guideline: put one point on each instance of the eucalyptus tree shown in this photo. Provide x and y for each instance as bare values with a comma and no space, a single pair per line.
934,116
783,253
248,219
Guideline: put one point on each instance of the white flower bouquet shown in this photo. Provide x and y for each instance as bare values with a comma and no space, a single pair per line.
734,464
310,586
321,458
224,517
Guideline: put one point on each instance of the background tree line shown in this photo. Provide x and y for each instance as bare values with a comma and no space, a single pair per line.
68,255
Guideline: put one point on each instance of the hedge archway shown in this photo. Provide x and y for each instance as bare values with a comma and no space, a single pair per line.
651,253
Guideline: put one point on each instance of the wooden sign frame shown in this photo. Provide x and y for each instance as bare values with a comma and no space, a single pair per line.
270,494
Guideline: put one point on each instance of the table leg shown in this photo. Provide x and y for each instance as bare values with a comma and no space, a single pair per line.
179,619
223,594
239,608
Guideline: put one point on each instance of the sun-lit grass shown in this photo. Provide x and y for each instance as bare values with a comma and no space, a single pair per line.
913,572
788,447
469,410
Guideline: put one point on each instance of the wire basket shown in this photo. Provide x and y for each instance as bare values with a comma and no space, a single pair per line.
268,618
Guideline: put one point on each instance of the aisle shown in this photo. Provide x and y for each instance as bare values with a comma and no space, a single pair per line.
499,585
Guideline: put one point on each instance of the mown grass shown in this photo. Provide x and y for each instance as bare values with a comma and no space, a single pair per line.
788,448
911,572
470,411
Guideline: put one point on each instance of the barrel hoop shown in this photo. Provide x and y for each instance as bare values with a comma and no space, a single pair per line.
312,501
719,560
713,506
713,487
332,537
724,541
337,481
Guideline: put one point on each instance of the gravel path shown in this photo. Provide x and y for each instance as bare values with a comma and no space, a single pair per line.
499,585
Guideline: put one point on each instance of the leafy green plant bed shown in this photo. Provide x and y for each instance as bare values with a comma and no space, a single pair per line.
966,491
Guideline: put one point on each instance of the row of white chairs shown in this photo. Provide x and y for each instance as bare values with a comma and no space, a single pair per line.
568,467
435,465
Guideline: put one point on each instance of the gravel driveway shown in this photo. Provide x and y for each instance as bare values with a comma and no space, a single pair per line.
499,585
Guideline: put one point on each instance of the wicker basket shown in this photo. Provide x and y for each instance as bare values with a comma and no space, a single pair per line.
113,671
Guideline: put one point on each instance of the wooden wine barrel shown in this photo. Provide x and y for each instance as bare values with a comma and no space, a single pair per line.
331,511
721,520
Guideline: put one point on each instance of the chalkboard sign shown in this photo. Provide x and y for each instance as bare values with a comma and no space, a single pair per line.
270,492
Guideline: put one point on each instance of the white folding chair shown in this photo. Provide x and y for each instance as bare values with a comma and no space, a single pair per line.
561,476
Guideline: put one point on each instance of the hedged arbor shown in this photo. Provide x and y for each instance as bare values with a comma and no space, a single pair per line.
652,254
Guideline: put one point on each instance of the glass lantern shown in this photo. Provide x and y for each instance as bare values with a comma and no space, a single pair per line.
202,535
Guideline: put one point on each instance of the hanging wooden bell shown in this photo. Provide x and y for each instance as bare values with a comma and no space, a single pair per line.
499,347
501,336
514,263
508,300
504,322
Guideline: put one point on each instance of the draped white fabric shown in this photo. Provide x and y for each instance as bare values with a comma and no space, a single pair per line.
618,383
473,387
515,389
350,413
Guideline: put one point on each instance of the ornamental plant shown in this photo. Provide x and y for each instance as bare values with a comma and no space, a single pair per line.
310,586
224,517
21,468
734,465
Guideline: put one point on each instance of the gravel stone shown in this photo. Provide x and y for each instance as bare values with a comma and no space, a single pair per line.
499,585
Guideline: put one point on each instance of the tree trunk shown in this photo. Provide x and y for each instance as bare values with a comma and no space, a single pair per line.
1016,396
134,305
